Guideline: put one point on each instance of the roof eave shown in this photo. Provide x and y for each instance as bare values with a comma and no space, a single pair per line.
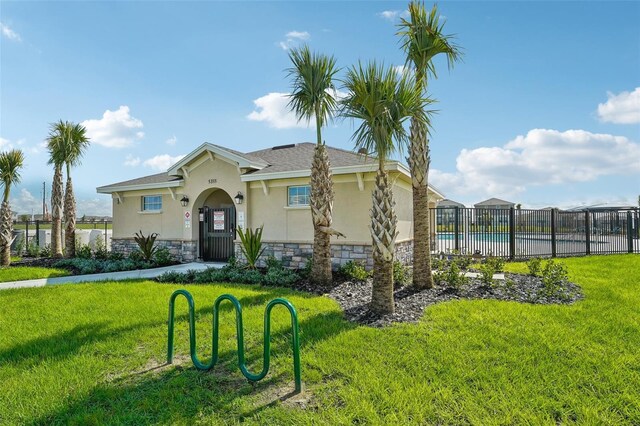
110,189
241,161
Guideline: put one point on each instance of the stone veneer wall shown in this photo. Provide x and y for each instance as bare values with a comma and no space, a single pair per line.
295,255
181,250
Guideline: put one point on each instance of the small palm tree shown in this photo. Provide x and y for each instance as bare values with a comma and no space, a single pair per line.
313,96
10,164
74,149
422,40
59,136
382,101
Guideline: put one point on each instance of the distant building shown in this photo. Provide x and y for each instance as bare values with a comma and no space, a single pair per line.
494,203
493,212
446,214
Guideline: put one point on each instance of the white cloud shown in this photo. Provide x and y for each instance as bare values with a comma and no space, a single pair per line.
116,129
392,15
162,162
541,157
24,202
94,207
131,161
292,38
623,108
172,140
9,33
272,109
5,143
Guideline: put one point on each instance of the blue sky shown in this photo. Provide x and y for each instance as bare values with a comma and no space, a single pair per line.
544,109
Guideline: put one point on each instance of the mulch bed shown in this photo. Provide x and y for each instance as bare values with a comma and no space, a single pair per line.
43,262
354,297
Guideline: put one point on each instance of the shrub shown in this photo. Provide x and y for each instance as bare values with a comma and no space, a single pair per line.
83,251
280,277
273,263
162,257
354,270
19,247
136,256
46,251
33,249
308,267
497,263
251,245
534,264
554,278
146,244
401,273
101,250
114,255
464,261
487,269
454,277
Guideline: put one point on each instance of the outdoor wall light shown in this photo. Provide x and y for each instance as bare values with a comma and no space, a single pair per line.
239,198
184,201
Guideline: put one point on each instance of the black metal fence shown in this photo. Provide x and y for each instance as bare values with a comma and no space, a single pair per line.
520,234
27,232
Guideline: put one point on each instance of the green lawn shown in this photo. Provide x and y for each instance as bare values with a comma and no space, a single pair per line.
94,354
18,273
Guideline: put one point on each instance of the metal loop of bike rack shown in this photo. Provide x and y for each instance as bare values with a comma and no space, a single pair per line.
266,355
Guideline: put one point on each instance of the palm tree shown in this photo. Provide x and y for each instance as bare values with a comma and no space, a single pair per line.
313,96
422,40
10,164
77,145
67,146
383,102
59,135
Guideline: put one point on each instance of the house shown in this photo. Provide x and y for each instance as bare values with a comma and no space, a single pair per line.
446,214
196,205
495,214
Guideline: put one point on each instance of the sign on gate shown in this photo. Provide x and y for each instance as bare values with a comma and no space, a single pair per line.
218,220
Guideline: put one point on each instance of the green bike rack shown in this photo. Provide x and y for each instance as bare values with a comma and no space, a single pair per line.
266,355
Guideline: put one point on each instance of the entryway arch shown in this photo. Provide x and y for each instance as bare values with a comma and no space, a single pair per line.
216,214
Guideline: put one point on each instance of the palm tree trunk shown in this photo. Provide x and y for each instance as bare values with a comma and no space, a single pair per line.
56,213
383,233
6,233
321,201
419,162
69,219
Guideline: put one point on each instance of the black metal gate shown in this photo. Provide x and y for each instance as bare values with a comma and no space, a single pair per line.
217,232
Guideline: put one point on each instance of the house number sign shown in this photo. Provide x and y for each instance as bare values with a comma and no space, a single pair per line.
213,180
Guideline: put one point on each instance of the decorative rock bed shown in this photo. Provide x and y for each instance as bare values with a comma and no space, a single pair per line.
354,297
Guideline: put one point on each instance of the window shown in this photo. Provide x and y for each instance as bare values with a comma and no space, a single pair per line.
299,195
151,203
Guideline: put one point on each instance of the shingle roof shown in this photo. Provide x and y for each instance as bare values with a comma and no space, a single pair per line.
299,157
145,180
493,201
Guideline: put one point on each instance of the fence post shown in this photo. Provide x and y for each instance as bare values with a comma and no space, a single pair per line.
38,233
587,231
26,235
456,229
553,232
512,233
629,233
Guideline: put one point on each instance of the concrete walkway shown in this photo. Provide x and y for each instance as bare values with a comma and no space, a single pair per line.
111,276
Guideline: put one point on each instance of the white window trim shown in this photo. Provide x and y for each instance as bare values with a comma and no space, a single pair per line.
142,210
297,206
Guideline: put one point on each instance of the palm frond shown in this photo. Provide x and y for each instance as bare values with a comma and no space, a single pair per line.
10,164
66,143
312,87
423,38
382,101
